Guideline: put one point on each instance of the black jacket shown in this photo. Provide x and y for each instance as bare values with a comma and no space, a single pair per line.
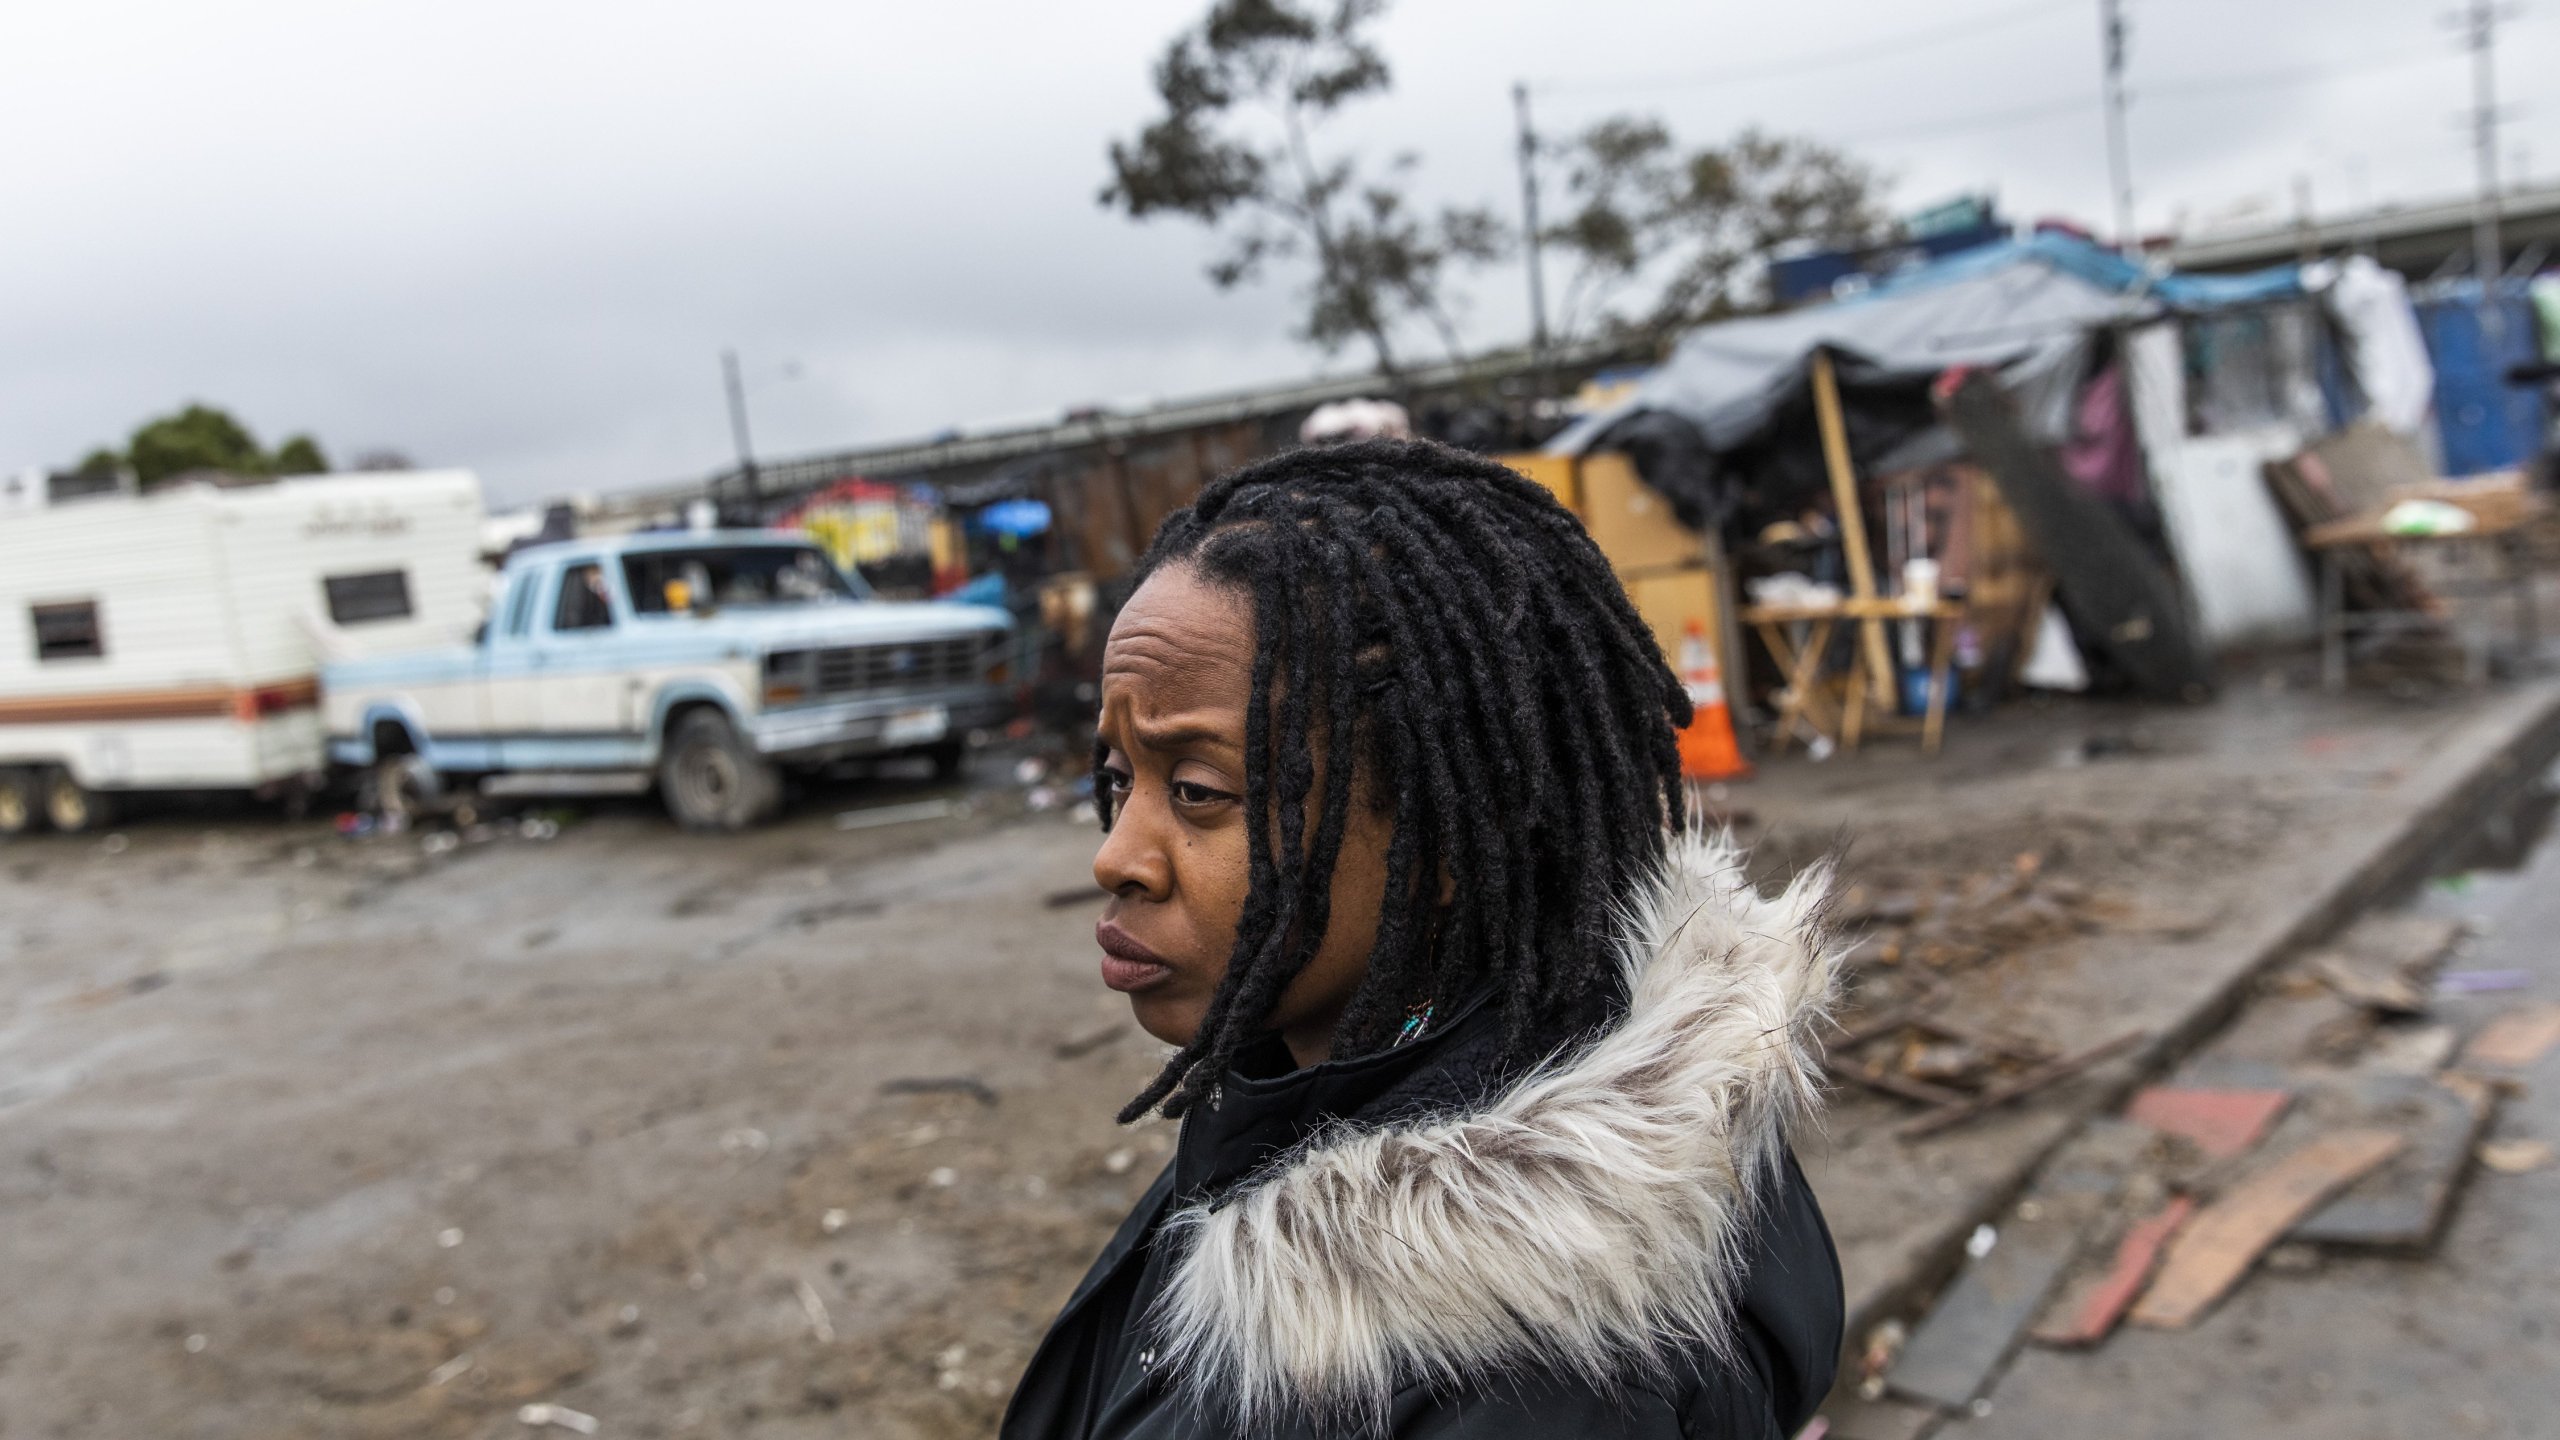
1421,1243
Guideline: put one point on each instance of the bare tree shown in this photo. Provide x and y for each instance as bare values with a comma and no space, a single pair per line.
1697,229
1238,148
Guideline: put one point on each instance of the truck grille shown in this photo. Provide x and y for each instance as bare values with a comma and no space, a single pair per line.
910,665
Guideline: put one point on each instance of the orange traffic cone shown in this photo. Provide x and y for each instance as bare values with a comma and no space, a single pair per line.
1707,750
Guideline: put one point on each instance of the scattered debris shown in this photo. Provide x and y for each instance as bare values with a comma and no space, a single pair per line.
1076,1047
542,1412
2381,994
2516,1157
2401,1203
2089,1314
969,1085
822,1326
2052,1072
833,1220
2221,1123
449,1238
2516,1039
1119,1161
746,1144
449,1371
1977,1321
899,814
2411,1049
2481,982
2215,1248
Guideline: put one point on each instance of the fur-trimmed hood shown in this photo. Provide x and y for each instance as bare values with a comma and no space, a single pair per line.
1591,1218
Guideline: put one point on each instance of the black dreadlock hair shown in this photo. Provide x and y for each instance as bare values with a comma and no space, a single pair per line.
1510,709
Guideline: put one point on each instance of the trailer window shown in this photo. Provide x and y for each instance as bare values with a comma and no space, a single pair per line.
583,602
67,631
377,595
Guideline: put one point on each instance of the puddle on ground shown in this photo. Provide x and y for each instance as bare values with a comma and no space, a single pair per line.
2502,853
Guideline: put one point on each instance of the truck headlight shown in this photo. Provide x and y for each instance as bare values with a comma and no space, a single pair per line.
786,677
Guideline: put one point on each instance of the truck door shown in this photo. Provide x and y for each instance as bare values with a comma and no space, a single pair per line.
583,676
507,667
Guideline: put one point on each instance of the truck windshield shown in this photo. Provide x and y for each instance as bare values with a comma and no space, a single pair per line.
664,581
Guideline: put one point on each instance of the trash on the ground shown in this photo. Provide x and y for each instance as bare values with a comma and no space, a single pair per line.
2410,1049
1119,1161
1979,1319
1884,1345
2009,1091
2516,1157
2088,1313
833,1220
626,1321
2382,994
2481,982
1983,1240
450,1371
943,1177
746,1143
1030,770
2403,1203
969,1085
449,1238
2221,1123
822,1326
899,814
2217,1246
1076,1047
2515,1039
543,1412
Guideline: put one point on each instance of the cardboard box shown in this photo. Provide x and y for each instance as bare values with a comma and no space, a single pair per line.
1553,471
1669,599
1632,523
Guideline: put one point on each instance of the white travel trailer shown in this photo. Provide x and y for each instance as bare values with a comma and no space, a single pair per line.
173,641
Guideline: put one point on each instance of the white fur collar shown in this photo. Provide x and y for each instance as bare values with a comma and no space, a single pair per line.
1589,1219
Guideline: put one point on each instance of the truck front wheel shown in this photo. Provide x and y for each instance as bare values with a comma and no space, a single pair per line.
712,779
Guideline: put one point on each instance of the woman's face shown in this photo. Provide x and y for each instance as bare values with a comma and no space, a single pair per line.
1177,678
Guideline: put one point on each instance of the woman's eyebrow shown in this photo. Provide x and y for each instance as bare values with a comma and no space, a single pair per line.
1178,734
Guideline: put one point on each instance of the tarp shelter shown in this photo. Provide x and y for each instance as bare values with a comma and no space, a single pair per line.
2215,374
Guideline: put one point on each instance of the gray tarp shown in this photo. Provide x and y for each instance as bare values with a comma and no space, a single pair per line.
2012,309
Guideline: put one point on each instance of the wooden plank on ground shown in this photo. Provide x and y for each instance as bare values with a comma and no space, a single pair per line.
2090,1311
2218,1246
2221,1123
2516,1039
2402,1202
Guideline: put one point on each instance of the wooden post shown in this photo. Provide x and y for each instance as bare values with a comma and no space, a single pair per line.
1853,524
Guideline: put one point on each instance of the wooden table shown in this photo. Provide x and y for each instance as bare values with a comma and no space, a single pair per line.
2500,532
1799,639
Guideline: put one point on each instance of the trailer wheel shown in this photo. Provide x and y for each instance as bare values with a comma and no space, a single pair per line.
712,779
74,808
17,802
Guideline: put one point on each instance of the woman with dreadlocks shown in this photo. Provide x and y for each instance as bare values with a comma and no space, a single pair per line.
1485,1061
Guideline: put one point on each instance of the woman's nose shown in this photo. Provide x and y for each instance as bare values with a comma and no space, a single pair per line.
1131,862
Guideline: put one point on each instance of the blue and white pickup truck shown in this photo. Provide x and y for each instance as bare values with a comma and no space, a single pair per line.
705,662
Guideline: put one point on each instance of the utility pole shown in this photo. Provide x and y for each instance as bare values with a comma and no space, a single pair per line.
2480,24
1529,229
2119,167
738,432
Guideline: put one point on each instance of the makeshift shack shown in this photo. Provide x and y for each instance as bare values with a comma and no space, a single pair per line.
2117,420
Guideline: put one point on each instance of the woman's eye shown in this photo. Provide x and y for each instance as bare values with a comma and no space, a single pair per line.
1116,781
1192,792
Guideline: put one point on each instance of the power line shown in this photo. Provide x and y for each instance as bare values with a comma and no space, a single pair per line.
1809,61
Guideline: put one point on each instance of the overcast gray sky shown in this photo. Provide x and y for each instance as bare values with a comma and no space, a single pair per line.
515,237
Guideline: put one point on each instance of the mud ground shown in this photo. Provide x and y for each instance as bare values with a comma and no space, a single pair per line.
807,1132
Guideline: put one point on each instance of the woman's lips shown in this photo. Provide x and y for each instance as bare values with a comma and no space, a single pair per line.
1128,966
